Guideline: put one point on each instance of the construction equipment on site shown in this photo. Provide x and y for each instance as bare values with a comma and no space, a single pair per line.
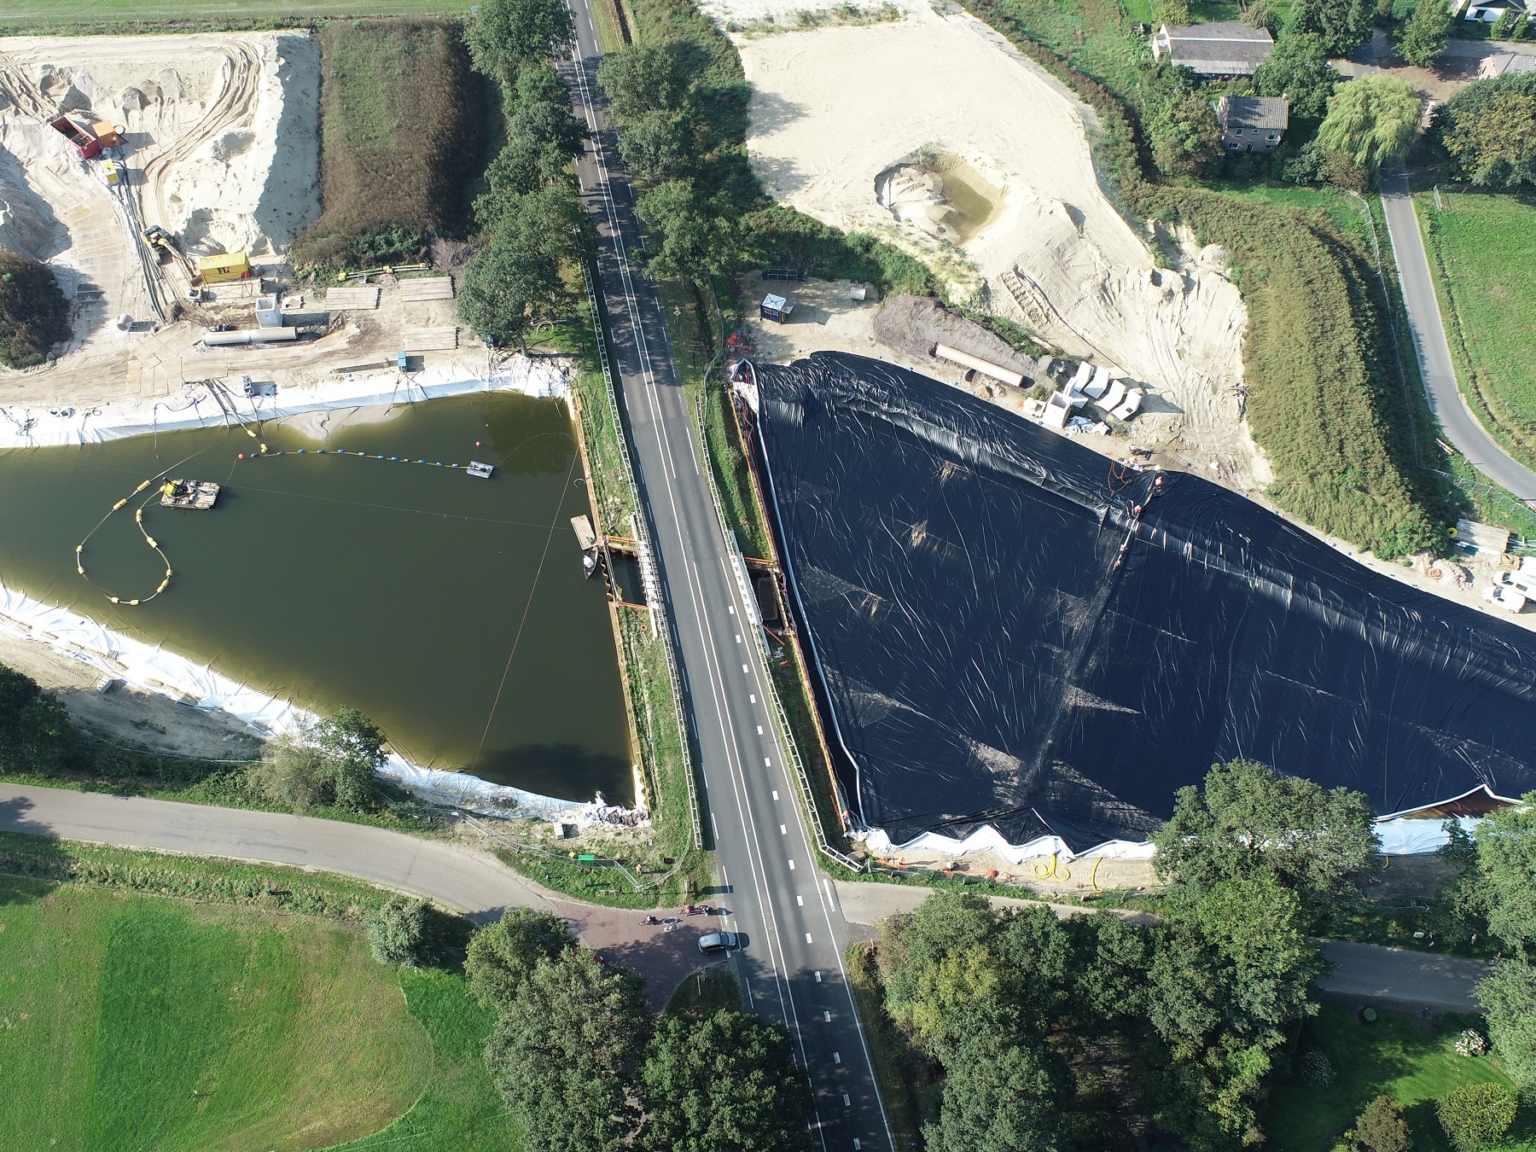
87,145
196,494
224,267
88,141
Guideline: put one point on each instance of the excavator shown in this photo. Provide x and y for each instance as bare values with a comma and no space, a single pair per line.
166,250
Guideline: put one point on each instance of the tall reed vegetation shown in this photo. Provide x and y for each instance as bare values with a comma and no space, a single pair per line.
402,142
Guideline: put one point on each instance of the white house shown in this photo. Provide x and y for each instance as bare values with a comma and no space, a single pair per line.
1489,11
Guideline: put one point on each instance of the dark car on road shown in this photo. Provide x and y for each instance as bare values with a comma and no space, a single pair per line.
718,942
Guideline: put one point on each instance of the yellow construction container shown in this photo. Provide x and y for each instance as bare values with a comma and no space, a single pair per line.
225,266
112,172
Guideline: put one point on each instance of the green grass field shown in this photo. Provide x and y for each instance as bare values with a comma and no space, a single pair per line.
460,1111
1481,250
1392,1055
135,1022
60,15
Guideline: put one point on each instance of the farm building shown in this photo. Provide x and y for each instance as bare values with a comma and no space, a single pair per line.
1217,49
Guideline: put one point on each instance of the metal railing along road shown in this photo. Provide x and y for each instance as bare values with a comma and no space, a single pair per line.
781,718
648,574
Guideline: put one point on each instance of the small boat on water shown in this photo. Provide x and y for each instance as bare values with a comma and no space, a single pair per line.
199,494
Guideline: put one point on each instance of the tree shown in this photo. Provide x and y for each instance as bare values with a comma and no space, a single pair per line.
1508,997
1263,14
1298,69
1344,25
503,955
1503,26
1426,32
1372,120
352,748
551,126
331,761
1475,1116
1381,1127
518,278
506,35
1186,140
34,316
397,931
730,1081
35,733
1251,820
564,1051
644,78
691,236
541,84
1488,130
1506,861
655,148
1000,1094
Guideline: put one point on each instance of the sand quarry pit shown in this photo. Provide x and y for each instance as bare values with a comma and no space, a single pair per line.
220,145
934,133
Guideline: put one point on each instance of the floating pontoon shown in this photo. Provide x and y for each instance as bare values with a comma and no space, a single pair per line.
198,494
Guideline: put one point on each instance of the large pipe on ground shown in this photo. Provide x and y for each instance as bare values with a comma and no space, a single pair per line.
250,336
997,372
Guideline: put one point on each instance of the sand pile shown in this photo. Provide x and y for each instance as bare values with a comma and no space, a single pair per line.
220,131
843,119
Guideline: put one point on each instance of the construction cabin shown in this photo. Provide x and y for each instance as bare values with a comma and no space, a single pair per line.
224,267
776,308
1214,51
1252,123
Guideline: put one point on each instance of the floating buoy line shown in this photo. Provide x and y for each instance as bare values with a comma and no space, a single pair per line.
152,483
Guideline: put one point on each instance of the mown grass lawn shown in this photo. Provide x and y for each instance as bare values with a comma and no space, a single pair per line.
131,1022
1393,1055
1482,249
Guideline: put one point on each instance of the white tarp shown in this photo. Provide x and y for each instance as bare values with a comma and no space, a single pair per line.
196,406
1405,837
989,839
1399,837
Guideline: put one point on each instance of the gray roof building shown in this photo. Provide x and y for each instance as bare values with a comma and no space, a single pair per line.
1252,123
1214,49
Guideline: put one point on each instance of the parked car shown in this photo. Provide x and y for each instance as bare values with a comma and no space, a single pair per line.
713,942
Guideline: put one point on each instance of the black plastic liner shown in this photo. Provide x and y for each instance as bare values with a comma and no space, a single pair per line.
1002,639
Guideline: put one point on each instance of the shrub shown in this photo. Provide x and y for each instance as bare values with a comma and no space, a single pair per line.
397,931
1471,1043
1315,1069
34,316
329,762
1475,1116
1381,1127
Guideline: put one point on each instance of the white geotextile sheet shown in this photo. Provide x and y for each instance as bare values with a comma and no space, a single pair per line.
989,839
1404,837
153,669
1399,837
194,406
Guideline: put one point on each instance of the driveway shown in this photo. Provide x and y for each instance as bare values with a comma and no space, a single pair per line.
1461,427
1396,975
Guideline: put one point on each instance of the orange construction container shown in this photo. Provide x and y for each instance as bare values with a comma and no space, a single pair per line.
103,131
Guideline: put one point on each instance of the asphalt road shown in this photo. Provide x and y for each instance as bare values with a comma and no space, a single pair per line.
1372,972
791,966
450,876
1461,427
